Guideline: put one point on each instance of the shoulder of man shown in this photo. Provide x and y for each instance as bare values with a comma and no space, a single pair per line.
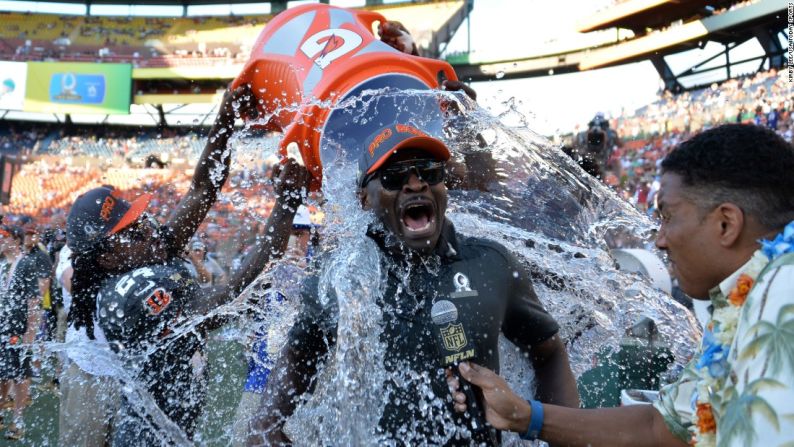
488,246
310,285
42,258
30,263
772,290
321,308
143,302
784,260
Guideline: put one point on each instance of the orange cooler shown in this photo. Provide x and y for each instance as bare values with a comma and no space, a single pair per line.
311,58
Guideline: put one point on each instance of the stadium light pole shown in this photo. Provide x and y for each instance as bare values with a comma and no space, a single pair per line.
469,7
277,6
727,61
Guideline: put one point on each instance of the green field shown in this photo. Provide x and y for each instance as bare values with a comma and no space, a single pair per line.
634,366
227,373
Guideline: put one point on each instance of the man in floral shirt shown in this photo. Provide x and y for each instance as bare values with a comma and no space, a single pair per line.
727,207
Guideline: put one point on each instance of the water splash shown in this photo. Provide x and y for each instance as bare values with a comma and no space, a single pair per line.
509,185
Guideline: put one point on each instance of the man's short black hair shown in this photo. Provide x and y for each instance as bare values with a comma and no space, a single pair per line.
749,166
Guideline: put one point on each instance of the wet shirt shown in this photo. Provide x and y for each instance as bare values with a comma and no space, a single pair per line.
139,310
493,294
19,287
756,403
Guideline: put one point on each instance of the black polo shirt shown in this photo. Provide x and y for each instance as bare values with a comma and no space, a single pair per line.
419,409
21,287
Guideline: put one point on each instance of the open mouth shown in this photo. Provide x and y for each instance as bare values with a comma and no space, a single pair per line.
418,217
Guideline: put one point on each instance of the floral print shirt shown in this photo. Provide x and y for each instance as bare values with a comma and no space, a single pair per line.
754,404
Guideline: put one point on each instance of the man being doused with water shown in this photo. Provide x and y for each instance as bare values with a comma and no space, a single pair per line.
447,297
130,281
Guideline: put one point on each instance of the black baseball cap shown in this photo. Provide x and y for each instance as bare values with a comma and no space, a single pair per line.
97,214
388,140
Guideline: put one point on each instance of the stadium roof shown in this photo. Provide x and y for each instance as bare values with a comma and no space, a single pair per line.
155,2
762,20
186,8
181,2
639,15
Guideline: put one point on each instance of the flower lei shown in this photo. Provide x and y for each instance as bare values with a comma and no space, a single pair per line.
712,368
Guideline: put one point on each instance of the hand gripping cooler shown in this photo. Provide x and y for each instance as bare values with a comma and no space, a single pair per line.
311,58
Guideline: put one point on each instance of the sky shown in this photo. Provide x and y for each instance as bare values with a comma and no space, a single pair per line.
505,29
508,29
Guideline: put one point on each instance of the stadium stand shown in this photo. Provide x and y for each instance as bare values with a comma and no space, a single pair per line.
747,99
646,29
643,15
44,191
48,183
96,155
183,41
146,41
765,98
22,138
675,36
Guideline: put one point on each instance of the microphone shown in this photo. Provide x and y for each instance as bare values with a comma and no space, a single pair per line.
454,347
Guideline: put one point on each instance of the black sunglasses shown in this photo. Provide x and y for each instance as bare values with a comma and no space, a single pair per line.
396,175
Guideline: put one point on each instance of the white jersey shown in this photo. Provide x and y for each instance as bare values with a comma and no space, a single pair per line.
92,356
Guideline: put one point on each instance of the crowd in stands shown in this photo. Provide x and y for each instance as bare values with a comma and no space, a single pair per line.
20,139
144,41
69,165
123,154
133,148
734,6
130,143
765,98
43,193
168,41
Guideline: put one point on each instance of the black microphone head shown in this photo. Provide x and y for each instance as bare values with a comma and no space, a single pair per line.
443,312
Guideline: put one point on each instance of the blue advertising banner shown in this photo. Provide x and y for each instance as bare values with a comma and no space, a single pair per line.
76,88
68,87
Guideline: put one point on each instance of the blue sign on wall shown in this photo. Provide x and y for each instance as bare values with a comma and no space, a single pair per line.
77,88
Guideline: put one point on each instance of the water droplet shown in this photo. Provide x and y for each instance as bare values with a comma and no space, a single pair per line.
500,74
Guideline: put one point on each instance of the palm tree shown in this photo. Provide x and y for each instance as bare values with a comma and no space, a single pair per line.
737,418
776,341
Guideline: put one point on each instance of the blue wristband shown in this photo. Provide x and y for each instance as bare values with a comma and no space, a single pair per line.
535,421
